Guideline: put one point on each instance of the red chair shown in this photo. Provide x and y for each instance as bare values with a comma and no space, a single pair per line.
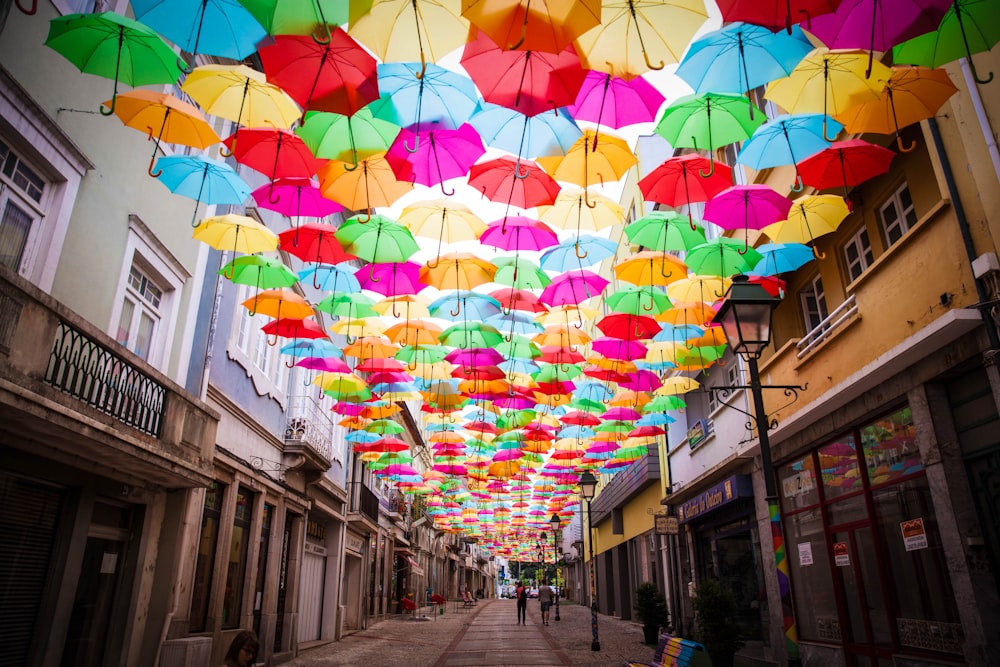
409,605
437,599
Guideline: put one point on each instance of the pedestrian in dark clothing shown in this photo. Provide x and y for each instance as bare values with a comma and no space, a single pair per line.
243,650
522,603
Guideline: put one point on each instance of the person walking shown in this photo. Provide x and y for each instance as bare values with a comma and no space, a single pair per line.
521,593
545,597
243,650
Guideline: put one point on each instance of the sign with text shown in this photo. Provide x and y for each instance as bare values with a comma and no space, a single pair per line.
805,553
666,525
914,534
841,554
737,486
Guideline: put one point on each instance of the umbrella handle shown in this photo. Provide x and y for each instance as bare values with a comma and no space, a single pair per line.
445,192
321,34
29,12
114,102
586,199
228,152
371,277
649,64
368,212
517,171
149,169
270,195
288,365
416,144
711,168
798,185
975,75
454,313
354,166
576,249
524,33
831,140
817,254
913,144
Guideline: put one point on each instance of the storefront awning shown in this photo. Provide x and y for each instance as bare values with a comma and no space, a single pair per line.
405,553
414,566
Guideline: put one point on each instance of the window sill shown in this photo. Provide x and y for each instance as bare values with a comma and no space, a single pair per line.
893,250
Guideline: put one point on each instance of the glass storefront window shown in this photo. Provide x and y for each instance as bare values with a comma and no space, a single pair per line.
202,587
809,560
236,565
839,469
890,447
798,484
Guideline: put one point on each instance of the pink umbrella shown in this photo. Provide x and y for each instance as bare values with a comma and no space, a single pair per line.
519,233
325,364
641,381
615,102
750,206
391,278
294,196
615,348
439,155
572,287
622,414
474,357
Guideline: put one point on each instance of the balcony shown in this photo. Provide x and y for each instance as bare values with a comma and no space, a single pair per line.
363,505
308,434
68,391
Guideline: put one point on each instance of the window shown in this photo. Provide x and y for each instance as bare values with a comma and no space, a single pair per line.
858,254
21,190
898,215
814,308
730,378
236,563
204,559
258,353
140,313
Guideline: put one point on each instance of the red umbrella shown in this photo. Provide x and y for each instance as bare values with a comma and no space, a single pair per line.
673,183
274,152
553,354
845,163
628,327
527,81
439,155
520,183
293,327
519,233
338,76
775,14
518,299
314,242
573,287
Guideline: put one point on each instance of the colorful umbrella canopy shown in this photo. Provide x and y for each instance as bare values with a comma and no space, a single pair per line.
748,206
684,180
282,18
774,14
787,140
522,135
845,163
548,27
408,30
295,197
240,94
275,153
238,233
440,98
612,101
202,179
434,156
364,186
809,218
213,27
378,239
780,258
520,183
346,138
968,27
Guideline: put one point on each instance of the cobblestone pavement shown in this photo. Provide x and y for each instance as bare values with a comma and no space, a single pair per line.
486,634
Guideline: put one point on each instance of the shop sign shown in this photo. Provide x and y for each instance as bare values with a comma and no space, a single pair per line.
914,534
355,544
315,549
666,525
841,554
805,554
737,486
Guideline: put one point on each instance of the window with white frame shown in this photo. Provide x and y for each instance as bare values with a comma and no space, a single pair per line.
21,195
858,253
258,353
898,214
730,378
814,308
140,313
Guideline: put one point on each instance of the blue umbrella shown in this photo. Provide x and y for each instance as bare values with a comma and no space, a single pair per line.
441,98
202,179
515,365
214,27
677,333
655,419
787,139
362,436
525,136
335,278
318,347
741,57
780,258
571,253
471,304
515,321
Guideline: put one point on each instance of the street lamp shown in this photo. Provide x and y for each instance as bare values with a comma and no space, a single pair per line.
555,523
746,316
588,487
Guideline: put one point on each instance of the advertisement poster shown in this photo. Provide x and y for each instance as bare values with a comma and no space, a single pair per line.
841,554
805,554
914,534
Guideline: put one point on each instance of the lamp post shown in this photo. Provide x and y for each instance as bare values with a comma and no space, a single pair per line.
588,487
746,316
554,522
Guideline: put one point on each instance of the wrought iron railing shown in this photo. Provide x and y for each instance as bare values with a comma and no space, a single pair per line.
368,503
843,313
309,424
85,369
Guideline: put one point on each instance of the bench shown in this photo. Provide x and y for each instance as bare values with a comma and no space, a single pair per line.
676,652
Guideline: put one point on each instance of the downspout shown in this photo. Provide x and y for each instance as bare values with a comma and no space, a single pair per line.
963,227
984,122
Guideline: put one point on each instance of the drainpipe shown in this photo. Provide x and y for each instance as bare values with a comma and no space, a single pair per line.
984,122
963,227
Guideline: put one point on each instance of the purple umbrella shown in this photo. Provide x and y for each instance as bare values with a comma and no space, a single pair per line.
572,287
438,156
390,278
295,197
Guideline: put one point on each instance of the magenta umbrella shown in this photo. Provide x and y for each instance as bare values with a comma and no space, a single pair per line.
438,156
616,348
572,287
519,233
295,197
615,102
621,414
325,364
473,357
641,380
391,278
749,206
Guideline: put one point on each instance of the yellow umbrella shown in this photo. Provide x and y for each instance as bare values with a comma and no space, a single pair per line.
164,118
548,26
636,36
437,371
828,82
579,209
661,352
561,335
410,30
242,95
446,220
809,218
358,327
340,382
677,384
650,267
593,158
404,306
371,183
238,233
708,289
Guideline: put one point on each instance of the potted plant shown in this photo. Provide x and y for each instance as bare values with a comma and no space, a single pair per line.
714,610
651,610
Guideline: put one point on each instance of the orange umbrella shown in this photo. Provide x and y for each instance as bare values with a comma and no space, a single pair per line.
414,332
370,347
459,270
910,95
371,183
695,314
650,267
548,26
592,159
279,303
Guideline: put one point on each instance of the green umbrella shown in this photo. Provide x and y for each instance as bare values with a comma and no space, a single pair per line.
346,138
467,335
557,372
261,272
588,405
664,231
377,240
518,347
709,121
312,17
664,404
722,256
520,273
969,26
115,47
385,427
635,300
349,306
421,354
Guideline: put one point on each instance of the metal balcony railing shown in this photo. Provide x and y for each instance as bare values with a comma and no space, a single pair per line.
843,313
309,425
364,501
91,372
